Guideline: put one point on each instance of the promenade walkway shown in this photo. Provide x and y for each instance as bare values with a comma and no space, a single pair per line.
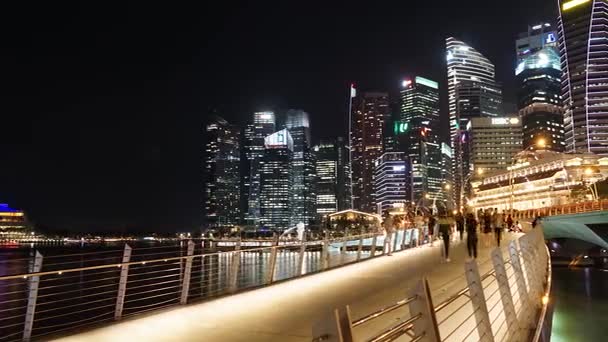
287,311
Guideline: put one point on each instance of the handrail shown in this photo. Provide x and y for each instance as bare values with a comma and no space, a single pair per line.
391,333
477,292
166,259
383,311
543,313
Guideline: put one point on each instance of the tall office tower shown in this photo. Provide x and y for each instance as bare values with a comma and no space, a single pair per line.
472,92
303,201
539,102
392,181
494,142
276,181
369,112
332,185
418,131
253,150
222,174
583,36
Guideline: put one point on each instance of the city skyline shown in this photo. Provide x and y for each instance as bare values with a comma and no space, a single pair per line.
111,130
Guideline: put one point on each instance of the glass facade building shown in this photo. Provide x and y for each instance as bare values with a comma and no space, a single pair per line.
222,174
493,143
369,112
583,35
539,102
303,167
332,184
472,92
418,134
392,181
264,124
276,181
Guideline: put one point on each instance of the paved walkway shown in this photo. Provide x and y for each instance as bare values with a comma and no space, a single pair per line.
287,311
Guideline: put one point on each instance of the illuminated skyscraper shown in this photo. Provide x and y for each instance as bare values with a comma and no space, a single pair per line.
418,131
472,92
391,181
493,143
332,176
303,168
276,181
222,174
253,150
369,112
583,37
539,102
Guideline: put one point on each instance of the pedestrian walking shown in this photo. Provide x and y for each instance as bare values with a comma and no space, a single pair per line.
388,234
487,226
431,227
509,222
460,224
445,226
471,224
497,223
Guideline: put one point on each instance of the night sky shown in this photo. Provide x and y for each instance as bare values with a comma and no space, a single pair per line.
103,104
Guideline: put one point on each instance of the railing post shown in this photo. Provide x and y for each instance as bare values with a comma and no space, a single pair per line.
325,252
234,268
187,273
344,247
505,294
122,283
301,256
33,283
478,299
525,318
372,252
395,242
426,325
360,246
272,262
336,327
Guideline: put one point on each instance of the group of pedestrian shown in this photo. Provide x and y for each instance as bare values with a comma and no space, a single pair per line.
489,222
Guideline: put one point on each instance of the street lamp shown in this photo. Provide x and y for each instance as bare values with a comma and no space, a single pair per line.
541,143
447,187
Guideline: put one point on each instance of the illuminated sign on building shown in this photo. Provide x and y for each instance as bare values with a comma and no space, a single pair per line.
550,38
505,121
279,139
427,82
406,83
571,4
400,127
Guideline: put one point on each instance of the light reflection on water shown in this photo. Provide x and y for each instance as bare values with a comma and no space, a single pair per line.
581,304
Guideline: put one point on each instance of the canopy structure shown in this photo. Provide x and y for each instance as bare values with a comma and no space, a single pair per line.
576,226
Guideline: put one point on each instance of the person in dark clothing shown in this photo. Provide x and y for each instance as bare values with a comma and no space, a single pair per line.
445,226
536,222
509,222
460,224
471,235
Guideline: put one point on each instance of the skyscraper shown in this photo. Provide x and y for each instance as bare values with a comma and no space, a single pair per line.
332,185
539,102
253,150
303,201
418,131
493,143
472,92
391,181
222,174
369,112
276,181
583,36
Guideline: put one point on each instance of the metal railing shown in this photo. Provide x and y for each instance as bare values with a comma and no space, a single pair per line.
507,303
564,209
44,295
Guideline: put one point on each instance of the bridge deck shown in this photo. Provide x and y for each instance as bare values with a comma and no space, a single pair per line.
287,311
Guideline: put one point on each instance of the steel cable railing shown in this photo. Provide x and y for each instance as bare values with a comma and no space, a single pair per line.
77,289
501,302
